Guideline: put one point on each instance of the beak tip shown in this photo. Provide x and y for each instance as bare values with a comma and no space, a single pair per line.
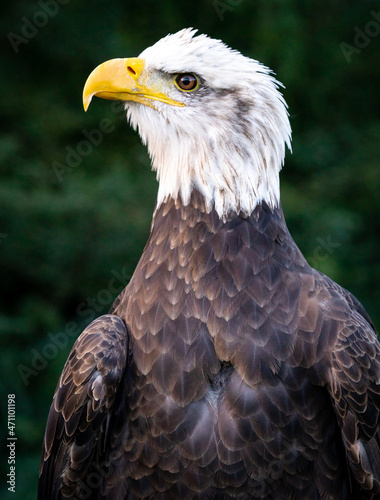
86,102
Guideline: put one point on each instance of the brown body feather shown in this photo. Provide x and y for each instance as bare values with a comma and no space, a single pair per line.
228,368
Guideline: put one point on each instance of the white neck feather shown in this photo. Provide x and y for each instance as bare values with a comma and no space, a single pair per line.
228,141
234,165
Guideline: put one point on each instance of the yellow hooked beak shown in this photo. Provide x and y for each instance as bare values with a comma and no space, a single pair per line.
121,79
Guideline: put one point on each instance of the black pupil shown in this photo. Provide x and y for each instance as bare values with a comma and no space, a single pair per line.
187,82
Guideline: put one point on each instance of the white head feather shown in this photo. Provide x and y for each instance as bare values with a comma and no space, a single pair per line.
228,141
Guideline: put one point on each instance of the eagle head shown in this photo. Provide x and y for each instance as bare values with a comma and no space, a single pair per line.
213,120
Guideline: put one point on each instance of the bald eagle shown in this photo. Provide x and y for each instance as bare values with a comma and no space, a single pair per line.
228,368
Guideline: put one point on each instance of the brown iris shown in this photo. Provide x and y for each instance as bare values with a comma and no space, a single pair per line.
187,81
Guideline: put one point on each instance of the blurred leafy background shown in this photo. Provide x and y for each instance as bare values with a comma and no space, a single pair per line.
65,233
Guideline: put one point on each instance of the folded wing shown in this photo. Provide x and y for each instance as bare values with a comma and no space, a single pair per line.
78,436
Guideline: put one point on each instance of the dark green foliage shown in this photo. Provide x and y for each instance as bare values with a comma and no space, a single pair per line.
70,237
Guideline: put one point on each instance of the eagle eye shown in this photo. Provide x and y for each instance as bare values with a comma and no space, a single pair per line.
187,82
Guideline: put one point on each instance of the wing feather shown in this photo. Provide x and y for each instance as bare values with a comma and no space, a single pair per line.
355,387
83,405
